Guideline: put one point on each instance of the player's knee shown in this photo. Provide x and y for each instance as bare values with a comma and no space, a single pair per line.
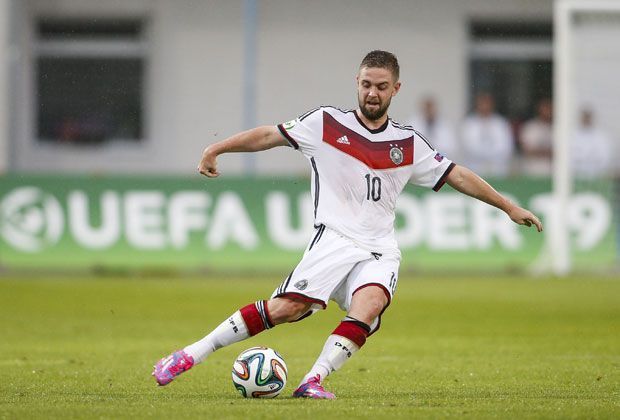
284,309
375,307
368,304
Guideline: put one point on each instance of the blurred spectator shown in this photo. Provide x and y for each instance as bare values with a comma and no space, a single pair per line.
537,140
591,151
487,142
435,128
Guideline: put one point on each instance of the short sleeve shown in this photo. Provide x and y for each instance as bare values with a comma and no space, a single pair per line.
430,167
305,133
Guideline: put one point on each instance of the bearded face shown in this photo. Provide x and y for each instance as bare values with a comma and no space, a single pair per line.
375,88
372,107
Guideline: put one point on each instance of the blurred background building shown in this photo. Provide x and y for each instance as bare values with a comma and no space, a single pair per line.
141,86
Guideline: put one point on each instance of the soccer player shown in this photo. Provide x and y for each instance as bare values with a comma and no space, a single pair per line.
361,160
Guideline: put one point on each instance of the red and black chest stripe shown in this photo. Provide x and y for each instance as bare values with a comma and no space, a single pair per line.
376,155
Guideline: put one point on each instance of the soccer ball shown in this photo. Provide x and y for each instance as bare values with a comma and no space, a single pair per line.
259,372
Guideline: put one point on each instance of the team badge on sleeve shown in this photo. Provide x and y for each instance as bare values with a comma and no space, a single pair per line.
396,154
289,124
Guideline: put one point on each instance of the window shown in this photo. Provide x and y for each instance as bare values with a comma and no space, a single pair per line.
90,80
513,62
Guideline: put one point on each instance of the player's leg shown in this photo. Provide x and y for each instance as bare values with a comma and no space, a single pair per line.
244,323
348,337
247,322
365,296
326,262
304,291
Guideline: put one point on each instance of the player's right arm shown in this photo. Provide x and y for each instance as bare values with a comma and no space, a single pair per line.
254,140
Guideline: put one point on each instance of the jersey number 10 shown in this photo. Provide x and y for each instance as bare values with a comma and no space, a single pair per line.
373,187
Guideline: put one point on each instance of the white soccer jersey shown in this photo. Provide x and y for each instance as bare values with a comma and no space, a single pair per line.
358,172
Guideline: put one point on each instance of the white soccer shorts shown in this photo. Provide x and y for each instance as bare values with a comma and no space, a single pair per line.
334,268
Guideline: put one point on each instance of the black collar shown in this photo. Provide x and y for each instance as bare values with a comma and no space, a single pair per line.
373,131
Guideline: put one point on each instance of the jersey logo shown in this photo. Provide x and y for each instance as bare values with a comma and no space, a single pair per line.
343,140
374,154
396,154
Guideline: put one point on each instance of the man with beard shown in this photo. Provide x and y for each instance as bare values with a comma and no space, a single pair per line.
361,160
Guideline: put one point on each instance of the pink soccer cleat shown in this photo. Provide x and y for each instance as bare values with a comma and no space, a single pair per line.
172,366
313,389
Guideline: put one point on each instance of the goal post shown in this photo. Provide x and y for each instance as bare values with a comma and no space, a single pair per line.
5,66
569,96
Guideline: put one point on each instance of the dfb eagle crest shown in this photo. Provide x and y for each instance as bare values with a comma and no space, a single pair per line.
396,155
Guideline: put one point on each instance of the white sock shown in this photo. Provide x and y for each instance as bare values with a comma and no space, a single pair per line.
228,332
336,351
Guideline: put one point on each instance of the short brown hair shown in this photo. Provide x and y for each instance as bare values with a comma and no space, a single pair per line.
383,60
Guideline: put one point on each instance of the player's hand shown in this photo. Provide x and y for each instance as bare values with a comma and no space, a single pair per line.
524,217
208,164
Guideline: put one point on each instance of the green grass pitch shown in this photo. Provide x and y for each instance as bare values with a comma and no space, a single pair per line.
461,348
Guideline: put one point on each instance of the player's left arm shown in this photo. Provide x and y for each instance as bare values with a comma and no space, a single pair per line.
467,182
